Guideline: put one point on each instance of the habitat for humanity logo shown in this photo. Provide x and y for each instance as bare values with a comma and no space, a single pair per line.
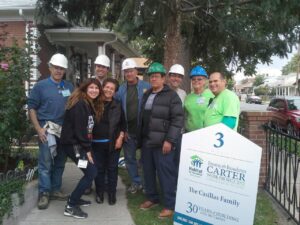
195,166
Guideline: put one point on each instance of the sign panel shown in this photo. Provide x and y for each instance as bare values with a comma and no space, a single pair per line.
218,178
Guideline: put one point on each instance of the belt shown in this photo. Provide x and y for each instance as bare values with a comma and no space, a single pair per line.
100,140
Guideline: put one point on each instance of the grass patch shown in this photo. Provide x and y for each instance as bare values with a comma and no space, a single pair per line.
141,217
264,213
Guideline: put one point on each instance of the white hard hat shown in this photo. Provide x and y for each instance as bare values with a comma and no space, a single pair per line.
128,64
177,68
102,60
59,60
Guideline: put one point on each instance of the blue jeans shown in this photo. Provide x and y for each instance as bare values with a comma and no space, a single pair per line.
164,166
89,174
50,171
130,147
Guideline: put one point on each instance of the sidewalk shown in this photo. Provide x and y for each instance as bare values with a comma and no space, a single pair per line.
99,214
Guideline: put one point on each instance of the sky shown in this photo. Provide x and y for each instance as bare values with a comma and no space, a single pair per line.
273,69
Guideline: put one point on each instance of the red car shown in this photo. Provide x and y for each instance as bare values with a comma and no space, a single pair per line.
286,114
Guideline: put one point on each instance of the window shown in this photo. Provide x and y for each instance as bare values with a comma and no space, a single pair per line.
294,104
280,104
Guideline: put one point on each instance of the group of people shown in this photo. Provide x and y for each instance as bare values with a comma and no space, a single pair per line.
92,123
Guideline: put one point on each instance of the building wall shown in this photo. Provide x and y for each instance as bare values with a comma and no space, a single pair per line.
251,127
16,30
47,50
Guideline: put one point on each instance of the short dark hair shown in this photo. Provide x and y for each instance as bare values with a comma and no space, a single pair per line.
222,76
111,80
162,74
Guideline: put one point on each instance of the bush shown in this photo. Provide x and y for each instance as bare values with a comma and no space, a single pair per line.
262,90
7,188
15,64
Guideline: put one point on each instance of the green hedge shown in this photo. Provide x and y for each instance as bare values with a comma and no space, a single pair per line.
7,188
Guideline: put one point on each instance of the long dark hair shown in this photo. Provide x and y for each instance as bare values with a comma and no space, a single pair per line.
80,93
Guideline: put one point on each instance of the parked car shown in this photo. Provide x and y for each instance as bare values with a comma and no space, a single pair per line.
286,114
254,99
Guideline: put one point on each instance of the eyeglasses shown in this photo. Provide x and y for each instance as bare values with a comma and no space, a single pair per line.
175,75
197,79
155,76
100,66
58,68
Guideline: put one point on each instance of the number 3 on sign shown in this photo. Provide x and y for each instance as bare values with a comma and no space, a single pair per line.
220,140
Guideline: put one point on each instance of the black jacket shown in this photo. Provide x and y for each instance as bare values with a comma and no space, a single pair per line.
117,123
75,125
166,119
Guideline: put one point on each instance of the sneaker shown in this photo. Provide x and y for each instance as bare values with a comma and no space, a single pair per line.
75,212
140,187
134,188
82,202
58,195
43,202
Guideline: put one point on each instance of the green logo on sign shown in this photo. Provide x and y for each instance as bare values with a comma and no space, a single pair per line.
196,161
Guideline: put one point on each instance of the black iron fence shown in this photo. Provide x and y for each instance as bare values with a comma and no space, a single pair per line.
283,179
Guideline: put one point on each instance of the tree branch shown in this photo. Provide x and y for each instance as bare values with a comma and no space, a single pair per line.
219,5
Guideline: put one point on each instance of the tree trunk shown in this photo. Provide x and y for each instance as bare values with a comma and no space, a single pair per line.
6,161
176,49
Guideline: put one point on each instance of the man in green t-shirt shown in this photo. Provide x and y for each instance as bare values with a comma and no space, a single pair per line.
196,103
225,107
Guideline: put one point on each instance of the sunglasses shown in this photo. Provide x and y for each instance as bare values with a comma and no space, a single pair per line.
197,79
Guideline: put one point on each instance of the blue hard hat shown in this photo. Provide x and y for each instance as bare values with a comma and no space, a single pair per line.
198,71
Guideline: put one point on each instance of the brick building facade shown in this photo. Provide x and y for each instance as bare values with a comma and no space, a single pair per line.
81,45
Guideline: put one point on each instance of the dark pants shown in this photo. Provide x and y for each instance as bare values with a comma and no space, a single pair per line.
177,152
85,182
107,163
164,166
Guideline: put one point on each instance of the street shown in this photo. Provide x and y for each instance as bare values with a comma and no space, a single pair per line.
253,107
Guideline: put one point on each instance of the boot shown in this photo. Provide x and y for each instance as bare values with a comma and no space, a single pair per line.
100,197
112,198
43,201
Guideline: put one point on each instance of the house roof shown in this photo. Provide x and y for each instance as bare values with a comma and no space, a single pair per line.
17,4
83,37
24,10
290,79
87,38
248,82
141,62
282,81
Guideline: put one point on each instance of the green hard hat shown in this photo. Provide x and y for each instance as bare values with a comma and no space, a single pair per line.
156,68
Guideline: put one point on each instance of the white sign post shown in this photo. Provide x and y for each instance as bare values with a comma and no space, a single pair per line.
218,178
